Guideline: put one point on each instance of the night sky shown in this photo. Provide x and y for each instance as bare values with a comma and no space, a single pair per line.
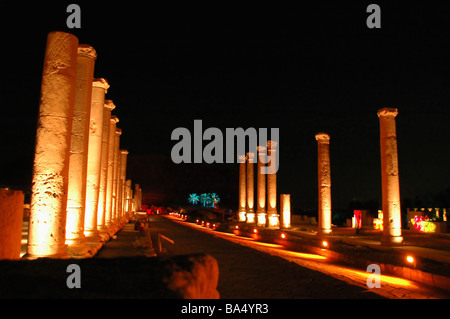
302,69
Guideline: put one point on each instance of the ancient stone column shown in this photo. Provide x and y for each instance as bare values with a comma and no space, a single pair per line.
392,227
76,195
261,187
116,178
324,181
122,194
250,188
101,210
46,236
242,189
273,219
110,173
137,200
99,89
11,218
285,211
128,198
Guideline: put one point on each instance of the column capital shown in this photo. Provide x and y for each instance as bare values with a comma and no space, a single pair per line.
114,119
124,152
272,145
101,83
118,131
261,149
322,137
242,158
387,112
87,51
110,105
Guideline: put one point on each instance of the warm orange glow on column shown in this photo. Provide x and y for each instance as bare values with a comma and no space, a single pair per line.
129,197
116,171
46,235
99,89
76,195
250,188
324,178
101,210
137,198
285,210
11,217
122,195
261,187
242,188
392,228
110,172
273,219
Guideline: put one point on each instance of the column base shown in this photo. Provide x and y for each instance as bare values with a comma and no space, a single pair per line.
324,231
273,220
391,240
261,219
250,218
242,216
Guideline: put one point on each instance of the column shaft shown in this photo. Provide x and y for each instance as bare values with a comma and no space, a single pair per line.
285,211
242,189
273,219
123,172
324,181
99,89
392,228
117,158
261,187
250,188
76,195
110,173
102,204
46,236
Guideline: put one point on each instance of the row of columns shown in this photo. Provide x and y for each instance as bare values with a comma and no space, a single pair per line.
80,195
266,213
392,233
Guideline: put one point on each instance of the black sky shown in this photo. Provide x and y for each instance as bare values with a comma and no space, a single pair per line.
303,69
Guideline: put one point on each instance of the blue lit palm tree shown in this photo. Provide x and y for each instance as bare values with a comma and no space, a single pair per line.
193,198
214,199
204,198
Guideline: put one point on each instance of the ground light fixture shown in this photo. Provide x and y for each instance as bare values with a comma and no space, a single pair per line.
324,244
283,235
410,259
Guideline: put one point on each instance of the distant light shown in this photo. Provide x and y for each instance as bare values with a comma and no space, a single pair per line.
410,259
325,244
237,227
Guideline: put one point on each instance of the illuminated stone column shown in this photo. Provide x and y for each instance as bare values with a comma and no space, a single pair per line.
324,181
99,89
76,194
129,197
285,211
47,224
11,218
137,200
116,166
122,194
101,210
110,172
250,188
392,227
242,189
273,219
261,187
